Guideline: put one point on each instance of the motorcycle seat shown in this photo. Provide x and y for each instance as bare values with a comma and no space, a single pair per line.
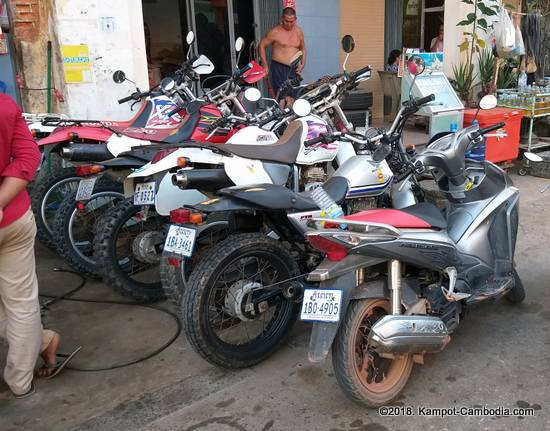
285,150
423,215
276,197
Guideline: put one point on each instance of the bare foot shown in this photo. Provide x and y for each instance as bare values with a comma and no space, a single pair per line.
49,357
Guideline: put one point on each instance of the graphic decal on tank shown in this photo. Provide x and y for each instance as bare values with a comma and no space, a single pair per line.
160,118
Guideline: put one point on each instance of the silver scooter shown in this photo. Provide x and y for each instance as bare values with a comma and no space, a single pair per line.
396,282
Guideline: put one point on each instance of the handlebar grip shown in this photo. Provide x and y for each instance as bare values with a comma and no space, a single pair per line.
360,71
317,140
491,128
268,120
424,100
126,99
174,111
244,69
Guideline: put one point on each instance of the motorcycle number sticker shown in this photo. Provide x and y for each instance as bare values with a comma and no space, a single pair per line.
144,194
321,305
180,240
85,189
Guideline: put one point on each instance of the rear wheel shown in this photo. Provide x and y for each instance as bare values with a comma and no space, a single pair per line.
517,293
76,226
217,306
128,249
363,374
47,194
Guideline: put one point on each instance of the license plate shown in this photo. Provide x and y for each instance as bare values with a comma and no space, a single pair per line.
85,189
144,194
321,305
180,240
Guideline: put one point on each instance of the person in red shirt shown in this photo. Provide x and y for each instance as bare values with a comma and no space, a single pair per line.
20,321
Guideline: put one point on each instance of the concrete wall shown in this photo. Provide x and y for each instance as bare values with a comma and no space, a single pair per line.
78,22
320,22
364,20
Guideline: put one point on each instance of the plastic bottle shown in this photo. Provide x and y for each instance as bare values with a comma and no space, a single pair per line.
326,204
522,80
453,127
478,152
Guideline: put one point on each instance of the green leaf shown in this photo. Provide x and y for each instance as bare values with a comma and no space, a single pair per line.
464,46
482,22
481,43
510,6
471,17
464,23
486,10
468,1
467,33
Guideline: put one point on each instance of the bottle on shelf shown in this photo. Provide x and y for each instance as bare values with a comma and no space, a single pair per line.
522,80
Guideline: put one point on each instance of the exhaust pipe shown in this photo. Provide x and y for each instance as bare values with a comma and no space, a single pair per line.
86,153
202,179
409,334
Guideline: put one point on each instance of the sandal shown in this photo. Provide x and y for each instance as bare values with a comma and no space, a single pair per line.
58,367
26,394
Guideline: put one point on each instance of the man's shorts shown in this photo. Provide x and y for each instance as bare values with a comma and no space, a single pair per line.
279,74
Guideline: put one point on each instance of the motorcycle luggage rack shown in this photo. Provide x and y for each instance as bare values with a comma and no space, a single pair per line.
353,226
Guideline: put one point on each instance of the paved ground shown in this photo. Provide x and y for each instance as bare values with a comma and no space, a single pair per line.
500,356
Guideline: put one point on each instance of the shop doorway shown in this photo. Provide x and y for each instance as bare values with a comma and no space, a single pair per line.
433,12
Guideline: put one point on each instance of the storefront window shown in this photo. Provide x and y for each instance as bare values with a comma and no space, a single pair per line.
412,23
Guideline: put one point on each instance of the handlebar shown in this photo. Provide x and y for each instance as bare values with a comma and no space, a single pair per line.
245,69
321,138
491,128
423,100
360,71
137,96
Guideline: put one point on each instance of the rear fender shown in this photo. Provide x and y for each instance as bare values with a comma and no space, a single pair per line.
342,275
60,135
195,155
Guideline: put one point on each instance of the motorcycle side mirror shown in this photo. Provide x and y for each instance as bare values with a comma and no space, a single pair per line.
416,65
119,77
488,102
296,60
239,44
252,94
348,43
190,38
381,152
301,107
532,157
167,84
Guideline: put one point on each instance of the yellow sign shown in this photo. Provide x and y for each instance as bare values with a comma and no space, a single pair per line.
76,63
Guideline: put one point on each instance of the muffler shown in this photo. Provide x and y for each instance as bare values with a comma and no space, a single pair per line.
201,179
409,334
86,153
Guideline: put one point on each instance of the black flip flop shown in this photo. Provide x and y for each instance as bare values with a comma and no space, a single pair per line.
58,367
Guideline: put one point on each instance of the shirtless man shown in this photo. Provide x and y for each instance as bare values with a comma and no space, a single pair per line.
287,39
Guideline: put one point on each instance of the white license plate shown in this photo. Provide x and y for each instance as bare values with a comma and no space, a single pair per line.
144,194
85,189
321,305
180,240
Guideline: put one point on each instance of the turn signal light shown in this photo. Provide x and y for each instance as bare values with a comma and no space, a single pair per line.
72,136
180,215
334,251
183,162
174,262
85,170
195,218
80,206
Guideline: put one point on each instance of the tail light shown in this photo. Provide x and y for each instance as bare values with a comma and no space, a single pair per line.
333,250
180,215
72,136
85,170
184,215
161,155
174,262
80,206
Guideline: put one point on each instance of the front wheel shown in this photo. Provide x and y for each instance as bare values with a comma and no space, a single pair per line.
517,293
364,375
223,316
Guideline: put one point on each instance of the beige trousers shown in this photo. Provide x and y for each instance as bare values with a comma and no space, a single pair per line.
20,321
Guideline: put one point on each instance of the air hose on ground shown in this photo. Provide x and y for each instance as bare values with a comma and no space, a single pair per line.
52,300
